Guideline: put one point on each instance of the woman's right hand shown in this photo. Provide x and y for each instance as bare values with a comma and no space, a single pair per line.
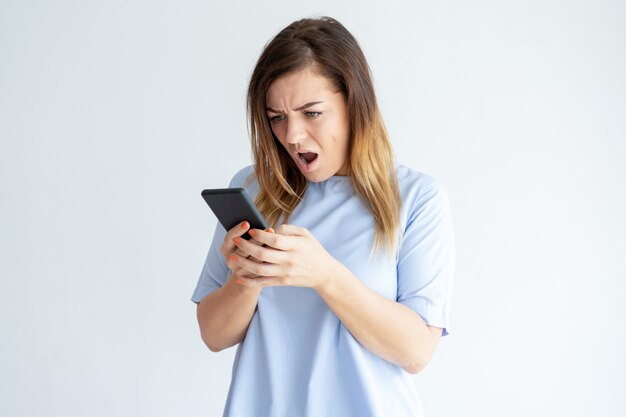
228,246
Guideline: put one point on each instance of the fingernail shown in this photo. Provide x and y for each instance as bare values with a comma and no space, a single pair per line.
244,225
270,230
239,281
251,232
237,240
233,258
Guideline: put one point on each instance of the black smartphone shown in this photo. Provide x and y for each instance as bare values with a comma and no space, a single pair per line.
232,206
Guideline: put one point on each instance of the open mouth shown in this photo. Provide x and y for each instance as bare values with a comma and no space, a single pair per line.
307,157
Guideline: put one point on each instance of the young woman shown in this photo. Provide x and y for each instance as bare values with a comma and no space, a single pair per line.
349,292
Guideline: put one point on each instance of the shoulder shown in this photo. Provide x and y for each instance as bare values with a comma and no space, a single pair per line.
423,197
414,184
425,202
246,178
242,177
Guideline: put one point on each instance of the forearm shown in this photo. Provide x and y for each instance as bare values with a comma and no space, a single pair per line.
385,327
225,314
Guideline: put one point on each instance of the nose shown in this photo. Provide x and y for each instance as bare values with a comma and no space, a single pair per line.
295,131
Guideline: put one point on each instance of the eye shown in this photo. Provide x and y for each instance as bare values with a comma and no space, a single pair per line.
276,119
313,114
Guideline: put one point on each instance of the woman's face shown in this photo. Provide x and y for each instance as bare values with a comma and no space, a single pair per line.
310,119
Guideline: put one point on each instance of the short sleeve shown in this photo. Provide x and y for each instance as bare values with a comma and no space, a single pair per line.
215,271
426,256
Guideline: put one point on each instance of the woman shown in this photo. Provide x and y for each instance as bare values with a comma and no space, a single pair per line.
350,294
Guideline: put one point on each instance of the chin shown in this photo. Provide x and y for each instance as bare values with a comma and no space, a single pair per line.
315,177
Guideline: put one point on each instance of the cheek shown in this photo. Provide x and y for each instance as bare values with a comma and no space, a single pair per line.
340,133
345,129
278,133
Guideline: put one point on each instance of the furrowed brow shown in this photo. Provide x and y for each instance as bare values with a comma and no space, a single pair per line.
307,105
304,106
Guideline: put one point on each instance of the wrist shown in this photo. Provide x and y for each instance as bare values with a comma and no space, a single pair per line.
330,280
242,289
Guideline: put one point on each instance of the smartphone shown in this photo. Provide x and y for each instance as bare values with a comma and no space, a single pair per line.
231,206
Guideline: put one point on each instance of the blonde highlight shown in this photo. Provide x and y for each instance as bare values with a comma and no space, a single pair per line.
325,45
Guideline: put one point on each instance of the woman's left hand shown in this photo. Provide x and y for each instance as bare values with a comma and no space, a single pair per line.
293,256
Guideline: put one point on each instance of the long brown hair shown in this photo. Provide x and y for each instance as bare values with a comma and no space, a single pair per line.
325,45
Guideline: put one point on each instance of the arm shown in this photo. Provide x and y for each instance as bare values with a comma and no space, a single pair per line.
225,314
385,327
294,257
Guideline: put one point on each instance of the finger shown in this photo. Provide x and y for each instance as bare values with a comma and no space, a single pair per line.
237,271
253,240
237,230
261,253
275,240
270,230
256,242
239,250
241,253
291,230
262,269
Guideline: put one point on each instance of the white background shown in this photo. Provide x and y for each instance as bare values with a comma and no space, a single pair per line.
115,115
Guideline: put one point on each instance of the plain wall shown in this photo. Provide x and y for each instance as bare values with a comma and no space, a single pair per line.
115,115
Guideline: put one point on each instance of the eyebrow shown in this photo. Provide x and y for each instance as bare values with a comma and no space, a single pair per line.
304,106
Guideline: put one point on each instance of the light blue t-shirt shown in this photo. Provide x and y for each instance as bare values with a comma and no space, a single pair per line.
297,358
